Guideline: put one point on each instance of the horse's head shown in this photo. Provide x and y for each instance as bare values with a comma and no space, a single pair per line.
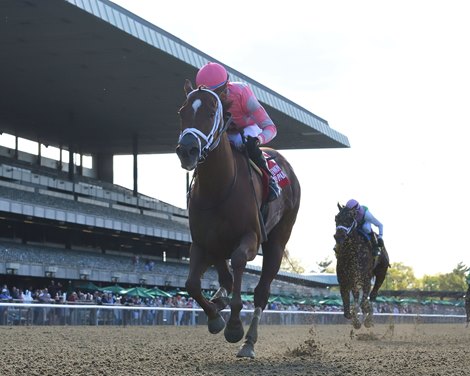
346,222
202,125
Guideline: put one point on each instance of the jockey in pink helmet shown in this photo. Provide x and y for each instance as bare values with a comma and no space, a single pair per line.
251,124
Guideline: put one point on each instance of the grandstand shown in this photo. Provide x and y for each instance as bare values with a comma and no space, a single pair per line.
82,77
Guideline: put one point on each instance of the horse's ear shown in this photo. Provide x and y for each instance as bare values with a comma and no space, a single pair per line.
340,207
188,87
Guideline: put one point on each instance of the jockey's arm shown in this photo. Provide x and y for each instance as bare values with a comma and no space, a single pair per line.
371,219
260,117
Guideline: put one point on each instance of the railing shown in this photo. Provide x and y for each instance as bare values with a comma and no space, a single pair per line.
92,314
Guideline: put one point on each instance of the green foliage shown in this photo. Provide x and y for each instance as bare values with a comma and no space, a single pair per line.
454,281
401,277
290,264
325,266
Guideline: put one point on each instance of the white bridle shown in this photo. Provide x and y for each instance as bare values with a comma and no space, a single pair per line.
218,125
347,229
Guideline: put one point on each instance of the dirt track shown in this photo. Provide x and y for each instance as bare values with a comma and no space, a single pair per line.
438,349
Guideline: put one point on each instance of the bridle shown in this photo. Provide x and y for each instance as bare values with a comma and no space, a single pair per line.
349,229
212,140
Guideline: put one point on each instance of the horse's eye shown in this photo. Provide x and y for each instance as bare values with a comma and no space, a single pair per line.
212,114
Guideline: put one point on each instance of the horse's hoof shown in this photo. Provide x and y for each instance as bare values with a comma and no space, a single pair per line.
246,351
221,302
234,332
216,324
356,324
347,316
368,323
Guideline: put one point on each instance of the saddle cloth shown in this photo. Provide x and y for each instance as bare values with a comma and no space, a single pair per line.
276,172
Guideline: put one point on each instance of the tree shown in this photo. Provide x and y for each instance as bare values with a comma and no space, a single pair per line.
325,266
290,264
454,281
400,277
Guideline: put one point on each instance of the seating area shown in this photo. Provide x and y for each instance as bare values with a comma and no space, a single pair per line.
100,193
35,186
34,197
55,256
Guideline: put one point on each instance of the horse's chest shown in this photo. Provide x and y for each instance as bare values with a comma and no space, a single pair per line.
214,234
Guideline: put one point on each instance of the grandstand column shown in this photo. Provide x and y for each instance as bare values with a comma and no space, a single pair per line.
135,151
38,160
103,166
71,171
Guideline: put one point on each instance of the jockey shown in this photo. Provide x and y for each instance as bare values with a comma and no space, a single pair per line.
251,125
365,220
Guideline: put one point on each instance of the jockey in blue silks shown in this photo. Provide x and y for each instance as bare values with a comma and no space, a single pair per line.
365,220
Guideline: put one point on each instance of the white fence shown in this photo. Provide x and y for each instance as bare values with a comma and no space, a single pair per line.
58,314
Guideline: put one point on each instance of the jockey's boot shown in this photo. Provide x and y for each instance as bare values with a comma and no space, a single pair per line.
376,250
256,155
274,188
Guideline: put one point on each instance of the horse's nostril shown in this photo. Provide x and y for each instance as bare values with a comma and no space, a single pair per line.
181,151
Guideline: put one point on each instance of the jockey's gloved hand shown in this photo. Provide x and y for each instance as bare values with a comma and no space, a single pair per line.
252,144
380,242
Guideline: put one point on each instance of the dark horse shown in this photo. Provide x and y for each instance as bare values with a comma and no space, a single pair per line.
224,215
355,267
467,305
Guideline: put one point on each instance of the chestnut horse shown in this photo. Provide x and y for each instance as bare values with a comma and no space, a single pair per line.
224,215
355,267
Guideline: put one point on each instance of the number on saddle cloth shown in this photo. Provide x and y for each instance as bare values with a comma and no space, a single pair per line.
274,169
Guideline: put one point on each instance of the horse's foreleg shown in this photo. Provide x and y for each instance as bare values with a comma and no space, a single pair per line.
220,298
366,305
346,302
197,266
355,319
234,330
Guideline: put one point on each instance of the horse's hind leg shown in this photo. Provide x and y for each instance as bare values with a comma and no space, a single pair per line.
273,251
380,273
366,306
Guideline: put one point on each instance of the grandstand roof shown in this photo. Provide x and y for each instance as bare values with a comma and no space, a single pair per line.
90,76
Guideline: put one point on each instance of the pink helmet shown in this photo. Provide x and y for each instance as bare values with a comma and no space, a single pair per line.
212,76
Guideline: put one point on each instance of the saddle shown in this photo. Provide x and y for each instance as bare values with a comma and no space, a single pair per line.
371,239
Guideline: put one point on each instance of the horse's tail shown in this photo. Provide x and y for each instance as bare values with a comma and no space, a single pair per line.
291,264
